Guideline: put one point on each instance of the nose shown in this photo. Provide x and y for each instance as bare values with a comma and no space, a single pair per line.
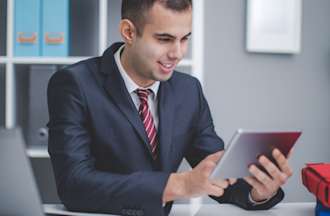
177,51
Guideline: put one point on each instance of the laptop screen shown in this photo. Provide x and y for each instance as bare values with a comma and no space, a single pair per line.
18,190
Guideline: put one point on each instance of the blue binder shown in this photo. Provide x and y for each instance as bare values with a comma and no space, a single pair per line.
27,27
55,28
321,210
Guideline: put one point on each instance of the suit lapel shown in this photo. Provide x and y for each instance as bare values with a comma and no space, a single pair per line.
166,112
115,87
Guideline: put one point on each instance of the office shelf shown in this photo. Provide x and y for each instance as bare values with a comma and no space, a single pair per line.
3,59
48,60
93,27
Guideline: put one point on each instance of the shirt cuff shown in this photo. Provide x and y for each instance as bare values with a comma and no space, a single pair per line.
260,202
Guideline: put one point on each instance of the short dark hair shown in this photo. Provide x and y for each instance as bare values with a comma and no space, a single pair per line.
135,10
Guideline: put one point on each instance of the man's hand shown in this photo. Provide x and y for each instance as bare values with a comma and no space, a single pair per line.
264,185
196,182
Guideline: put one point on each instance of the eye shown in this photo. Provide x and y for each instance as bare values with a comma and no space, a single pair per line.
185,39
164,40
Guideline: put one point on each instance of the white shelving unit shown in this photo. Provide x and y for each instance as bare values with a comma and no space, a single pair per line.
194,64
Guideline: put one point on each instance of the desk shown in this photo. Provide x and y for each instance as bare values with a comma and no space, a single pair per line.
291,209
287,209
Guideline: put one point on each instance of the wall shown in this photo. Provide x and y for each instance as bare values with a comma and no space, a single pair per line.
271,91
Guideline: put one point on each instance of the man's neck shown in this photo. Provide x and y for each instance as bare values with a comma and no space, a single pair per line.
129,69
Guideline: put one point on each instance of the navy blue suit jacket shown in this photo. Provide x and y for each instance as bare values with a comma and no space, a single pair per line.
99,149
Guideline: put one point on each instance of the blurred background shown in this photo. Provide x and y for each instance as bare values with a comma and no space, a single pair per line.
245,89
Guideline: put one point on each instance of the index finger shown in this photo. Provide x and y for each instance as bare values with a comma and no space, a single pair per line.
215,157
282,162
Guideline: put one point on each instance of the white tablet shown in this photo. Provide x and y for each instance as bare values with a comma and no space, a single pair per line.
245,147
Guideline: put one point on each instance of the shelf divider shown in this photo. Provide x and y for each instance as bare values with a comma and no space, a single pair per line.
103,25
48,60
198,41
10,98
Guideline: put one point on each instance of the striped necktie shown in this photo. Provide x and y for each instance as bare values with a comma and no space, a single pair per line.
147,119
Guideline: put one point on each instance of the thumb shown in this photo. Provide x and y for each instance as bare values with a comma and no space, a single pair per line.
215,157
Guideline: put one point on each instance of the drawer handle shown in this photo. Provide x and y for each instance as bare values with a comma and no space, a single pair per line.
54,37
25,37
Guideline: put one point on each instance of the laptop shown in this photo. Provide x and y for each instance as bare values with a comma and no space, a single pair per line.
18,190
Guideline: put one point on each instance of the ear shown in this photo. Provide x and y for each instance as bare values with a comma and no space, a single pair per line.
127,31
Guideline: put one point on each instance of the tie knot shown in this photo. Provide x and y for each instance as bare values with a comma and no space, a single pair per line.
143,94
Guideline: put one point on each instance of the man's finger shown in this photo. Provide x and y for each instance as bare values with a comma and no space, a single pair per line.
220,183
215,157
262,177
254,183
232,181
213,190
282,162
207,167
272,169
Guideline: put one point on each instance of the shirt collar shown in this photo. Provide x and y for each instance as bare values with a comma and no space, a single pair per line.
129,83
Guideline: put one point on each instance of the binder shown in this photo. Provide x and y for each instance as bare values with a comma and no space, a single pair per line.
27,27
55,28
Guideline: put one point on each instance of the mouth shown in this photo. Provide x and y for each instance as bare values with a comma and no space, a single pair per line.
167,67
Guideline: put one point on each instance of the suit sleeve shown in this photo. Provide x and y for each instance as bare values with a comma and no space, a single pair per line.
81,187
206,142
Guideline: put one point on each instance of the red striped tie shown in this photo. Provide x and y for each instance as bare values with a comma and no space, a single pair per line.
147,119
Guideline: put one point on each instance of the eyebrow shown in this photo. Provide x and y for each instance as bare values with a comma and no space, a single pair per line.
169,35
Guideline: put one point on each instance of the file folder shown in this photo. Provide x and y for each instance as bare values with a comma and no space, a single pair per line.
55,28
27,27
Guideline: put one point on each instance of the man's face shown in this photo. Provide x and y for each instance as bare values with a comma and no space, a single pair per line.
163,43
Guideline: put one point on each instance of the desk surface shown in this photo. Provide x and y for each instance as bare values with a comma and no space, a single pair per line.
292,209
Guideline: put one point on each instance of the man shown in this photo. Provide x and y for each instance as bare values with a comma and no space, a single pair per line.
120,125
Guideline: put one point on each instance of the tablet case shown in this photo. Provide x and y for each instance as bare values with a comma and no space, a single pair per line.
316,177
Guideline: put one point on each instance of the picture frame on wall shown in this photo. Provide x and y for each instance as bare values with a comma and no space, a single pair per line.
274,26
